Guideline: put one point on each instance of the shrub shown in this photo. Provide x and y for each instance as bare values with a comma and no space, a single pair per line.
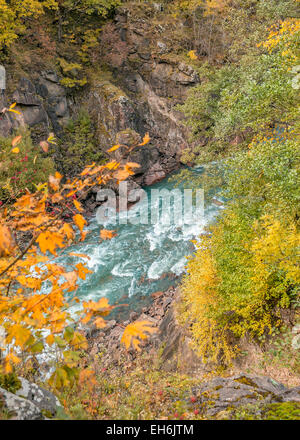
78,147
247,270
24,170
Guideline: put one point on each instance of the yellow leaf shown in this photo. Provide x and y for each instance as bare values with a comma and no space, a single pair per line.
50,339
192,55
11,109
136,331
15,150
114,148
112,165
51,138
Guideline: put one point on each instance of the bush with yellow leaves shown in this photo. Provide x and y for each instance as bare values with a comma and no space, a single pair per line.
247,269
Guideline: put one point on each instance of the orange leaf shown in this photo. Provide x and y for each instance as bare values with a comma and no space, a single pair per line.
9,360
71,277
78,205
100,323
146,140
107,235
19,333
55,181
123,174
83,235
16,140
6,241
96,306
132,165
67,230
79,221
82,271
50,339
49,241
135,332
45,146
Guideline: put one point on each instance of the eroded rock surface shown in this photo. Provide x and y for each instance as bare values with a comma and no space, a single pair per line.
221,394
29,402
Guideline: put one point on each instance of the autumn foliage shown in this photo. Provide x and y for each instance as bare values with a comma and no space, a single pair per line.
34,311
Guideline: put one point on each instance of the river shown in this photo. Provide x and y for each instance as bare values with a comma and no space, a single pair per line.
142,259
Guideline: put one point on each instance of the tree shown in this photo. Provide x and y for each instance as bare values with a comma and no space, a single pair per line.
33,307
241,99
246,270
14,14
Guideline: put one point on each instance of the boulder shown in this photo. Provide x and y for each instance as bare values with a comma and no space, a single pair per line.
29,402
154,174
229,393
43,399
19,408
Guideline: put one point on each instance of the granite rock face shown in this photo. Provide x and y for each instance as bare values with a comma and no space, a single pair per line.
19,408
43,399
29,402
147,78
42,104
221,394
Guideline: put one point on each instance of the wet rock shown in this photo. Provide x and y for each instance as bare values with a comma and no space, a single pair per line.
133,316
155,174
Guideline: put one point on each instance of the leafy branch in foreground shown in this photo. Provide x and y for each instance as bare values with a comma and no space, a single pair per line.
34,311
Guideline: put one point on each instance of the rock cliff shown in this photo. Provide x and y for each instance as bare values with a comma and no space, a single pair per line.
134,87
